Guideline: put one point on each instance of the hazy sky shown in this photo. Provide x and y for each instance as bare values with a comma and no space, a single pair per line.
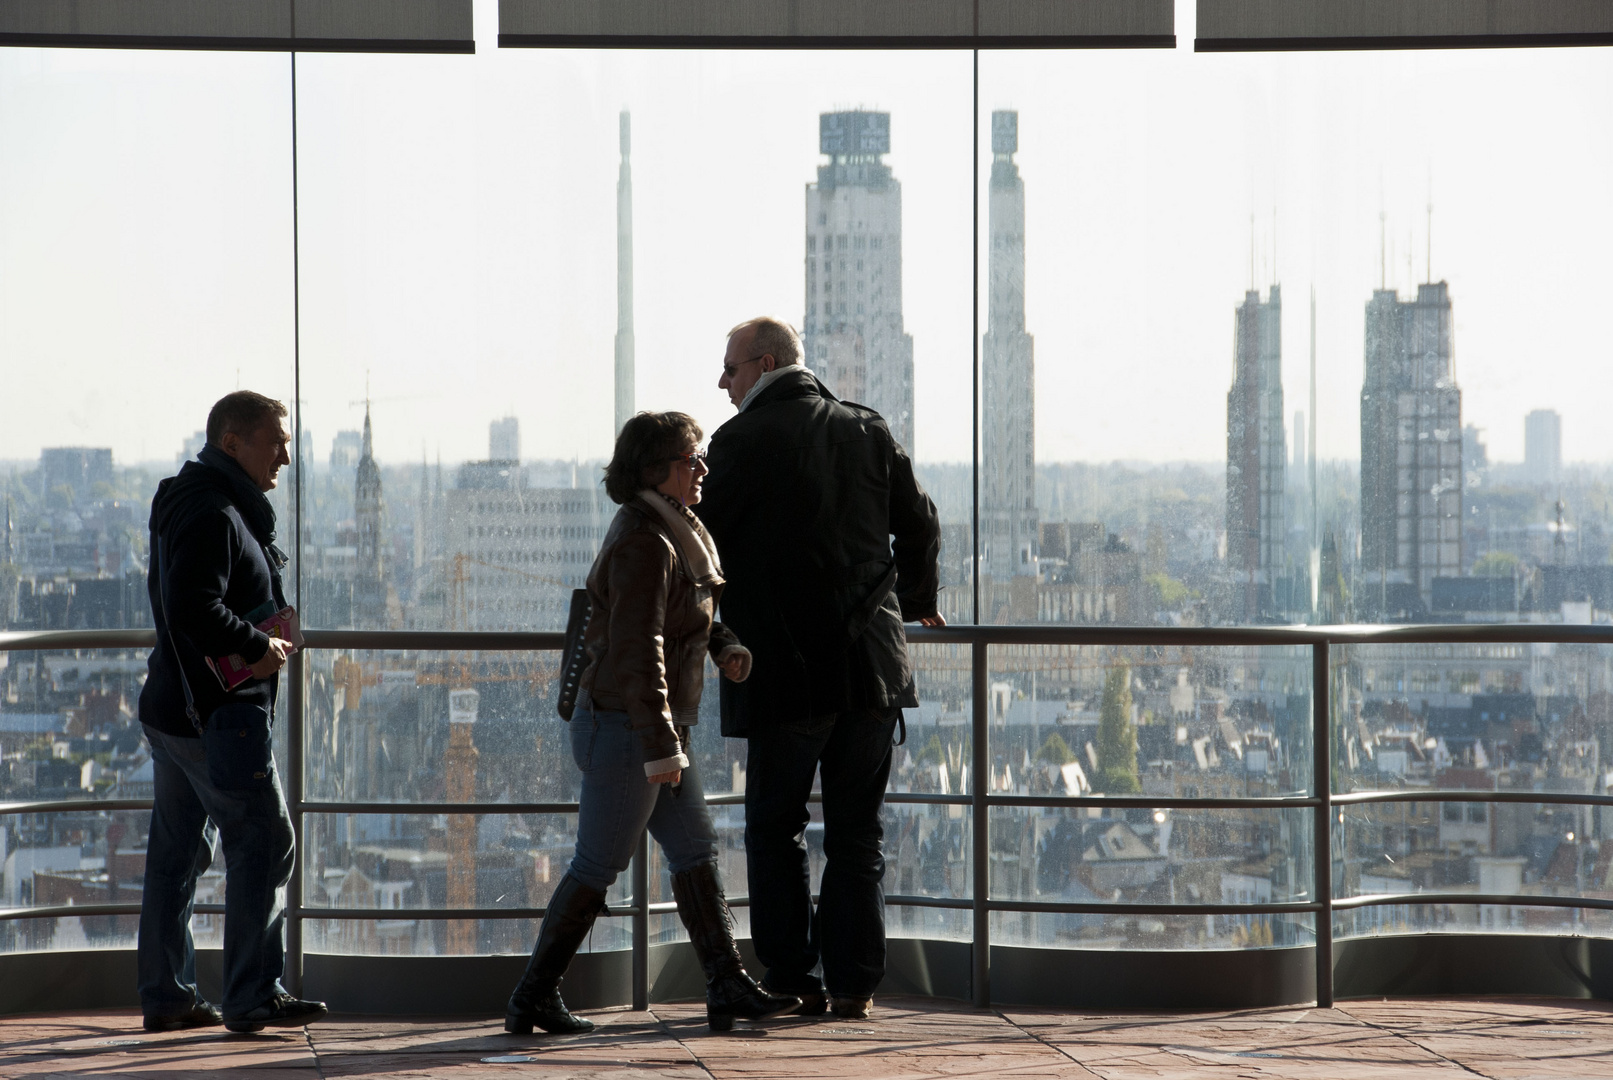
457,221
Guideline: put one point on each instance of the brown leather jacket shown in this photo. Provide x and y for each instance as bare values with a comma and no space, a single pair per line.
651,629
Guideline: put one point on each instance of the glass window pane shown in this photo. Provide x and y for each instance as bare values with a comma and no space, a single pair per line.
381,726
145,271
1092,855
1472,717
1491,848
1121,931
1393,919
448,937
1186,722
1238,287
484,236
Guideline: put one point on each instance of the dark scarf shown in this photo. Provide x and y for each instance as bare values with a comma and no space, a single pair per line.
254,506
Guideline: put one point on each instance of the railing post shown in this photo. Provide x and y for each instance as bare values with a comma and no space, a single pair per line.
1322,780
641,924
980,822
296,706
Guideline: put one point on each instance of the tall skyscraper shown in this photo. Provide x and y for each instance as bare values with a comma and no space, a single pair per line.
1256,456
1543,446
1411,452
625,394
504,440
1299,445
854,334
1008,520
369,583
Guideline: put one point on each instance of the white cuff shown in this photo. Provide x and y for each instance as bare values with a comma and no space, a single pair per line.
745,660
666,764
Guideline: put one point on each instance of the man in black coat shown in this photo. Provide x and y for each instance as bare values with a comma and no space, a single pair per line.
829,545
215,572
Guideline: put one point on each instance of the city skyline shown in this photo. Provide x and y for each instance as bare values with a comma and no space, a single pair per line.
1149,231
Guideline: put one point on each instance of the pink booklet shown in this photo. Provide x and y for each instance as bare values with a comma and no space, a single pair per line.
232,671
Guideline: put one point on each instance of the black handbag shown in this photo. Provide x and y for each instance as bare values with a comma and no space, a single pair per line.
574,657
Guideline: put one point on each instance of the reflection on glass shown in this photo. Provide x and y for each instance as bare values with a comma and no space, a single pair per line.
1187,722
1120,931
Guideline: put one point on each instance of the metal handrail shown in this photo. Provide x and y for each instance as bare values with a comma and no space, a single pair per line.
980,640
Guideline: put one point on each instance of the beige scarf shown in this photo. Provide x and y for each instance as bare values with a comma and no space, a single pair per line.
692,538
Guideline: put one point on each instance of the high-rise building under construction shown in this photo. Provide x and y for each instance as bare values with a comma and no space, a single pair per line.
1256,458
1411,453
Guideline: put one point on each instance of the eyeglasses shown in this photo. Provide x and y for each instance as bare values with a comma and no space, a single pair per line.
731,370
696,458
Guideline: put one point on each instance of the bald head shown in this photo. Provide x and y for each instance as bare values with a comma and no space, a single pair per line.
755,347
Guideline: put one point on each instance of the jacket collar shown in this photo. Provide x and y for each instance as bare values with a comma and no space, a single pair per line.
795,381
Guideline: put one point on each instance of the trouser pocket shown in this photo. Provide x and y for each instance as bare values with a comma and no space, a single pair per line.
240,754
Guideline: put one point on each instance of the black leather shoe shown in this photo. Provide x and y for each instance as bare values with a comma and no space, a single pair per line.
813,1002
200,1014
282,1010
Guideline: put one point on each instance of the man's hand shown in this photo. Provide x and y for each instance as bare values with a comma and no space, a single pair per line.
273,660
933,620
667,777
734,667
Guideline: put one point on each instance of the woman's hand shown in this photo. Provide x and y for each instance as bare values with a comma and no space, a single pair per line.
667,777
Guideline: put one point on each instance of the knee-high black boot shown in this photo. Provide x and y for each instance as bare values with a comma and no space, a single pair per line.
536,1001
730,992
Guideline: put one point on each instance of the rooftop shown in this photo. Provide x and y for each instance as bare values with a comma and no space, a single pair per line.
1468,1037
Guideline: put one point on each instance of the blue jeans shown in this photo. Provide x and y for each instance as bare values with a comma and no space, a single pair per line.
617,803
221,786
847,932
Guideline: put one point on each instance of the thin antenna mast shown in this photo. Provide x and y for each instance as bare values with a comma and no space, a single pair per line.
1311,449
1251,251
1383,251
1429,263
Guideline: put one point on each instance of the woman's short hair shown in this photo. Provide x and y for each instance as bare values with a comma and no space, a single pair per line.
644,451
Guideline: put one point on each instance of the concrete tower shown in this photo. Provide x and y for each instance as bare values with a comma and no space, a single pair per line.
1008,521
624,278
369,583
1257,452
1411,453
854,336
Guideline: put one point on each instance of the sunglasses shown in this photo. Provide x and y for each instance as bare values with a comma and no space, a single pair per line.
696,458
731,370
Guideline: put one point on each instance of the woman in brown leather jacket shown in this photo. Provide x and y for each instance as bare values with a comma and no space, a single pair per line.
653,591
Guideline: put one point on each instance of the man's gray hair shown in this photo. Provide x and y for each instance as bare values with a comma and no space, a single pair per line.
773,336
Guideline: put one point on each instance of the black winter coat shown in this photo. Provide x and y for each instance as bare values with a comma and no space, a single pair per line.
829,545
216,570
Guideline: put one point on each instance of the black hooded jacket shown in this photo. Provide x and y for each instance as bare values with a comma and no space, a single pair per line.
829,545
213,562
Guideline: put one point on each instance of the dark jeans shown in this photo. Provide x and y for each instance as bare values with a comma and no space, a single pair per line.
848,930
221,786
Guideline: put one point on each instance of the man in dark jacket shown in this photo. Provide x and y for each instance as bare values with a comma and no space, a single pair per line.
215,572
830,545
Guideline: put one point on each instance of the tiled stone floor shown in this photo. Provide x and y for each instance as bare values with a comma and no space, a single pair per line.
1502,1039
